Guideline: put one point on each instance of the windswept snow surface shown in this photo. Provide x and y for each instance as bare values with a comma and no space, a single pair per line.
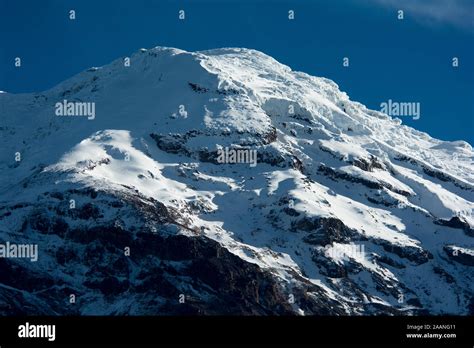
347,199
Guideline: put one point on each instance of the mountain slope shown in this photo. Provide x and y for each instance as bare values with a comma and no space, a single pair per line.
345,212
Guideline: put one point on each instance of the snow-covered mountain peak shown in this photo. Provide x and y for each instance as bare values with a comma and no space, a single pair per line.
279,169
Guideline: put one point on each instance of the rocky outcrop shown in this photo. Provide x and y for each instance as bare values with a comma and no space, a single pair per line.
335,174
461,255
369,164
456,222
323,231
159,272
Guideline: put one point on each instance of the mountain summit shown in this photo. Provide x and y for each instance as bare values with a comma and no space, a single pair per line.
223,182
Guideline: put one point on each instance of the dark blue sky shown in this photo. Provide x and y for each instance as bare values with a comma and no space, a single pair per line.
405,61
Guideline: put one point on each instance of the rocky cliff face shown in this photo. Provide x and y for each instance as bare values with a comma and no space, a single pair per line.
346,212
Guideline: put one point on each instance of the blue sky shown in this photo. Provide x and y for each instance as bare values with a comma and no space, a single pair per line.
407,61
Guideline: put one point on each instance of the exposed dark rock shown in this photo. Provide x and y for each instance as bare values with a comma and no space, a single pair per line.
332,173
59,227
86,212
228,91
381,202
246,288
323,231
106,235
459,255
291,212
270,137
86,191
208,156
66,254
456,222
40,221
109,286
198,89
271,158
333,270
414,254
57,195
470,307
19,303
17,276
414,302
297,164
384,285
172,143
391,262
445,275
368,165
